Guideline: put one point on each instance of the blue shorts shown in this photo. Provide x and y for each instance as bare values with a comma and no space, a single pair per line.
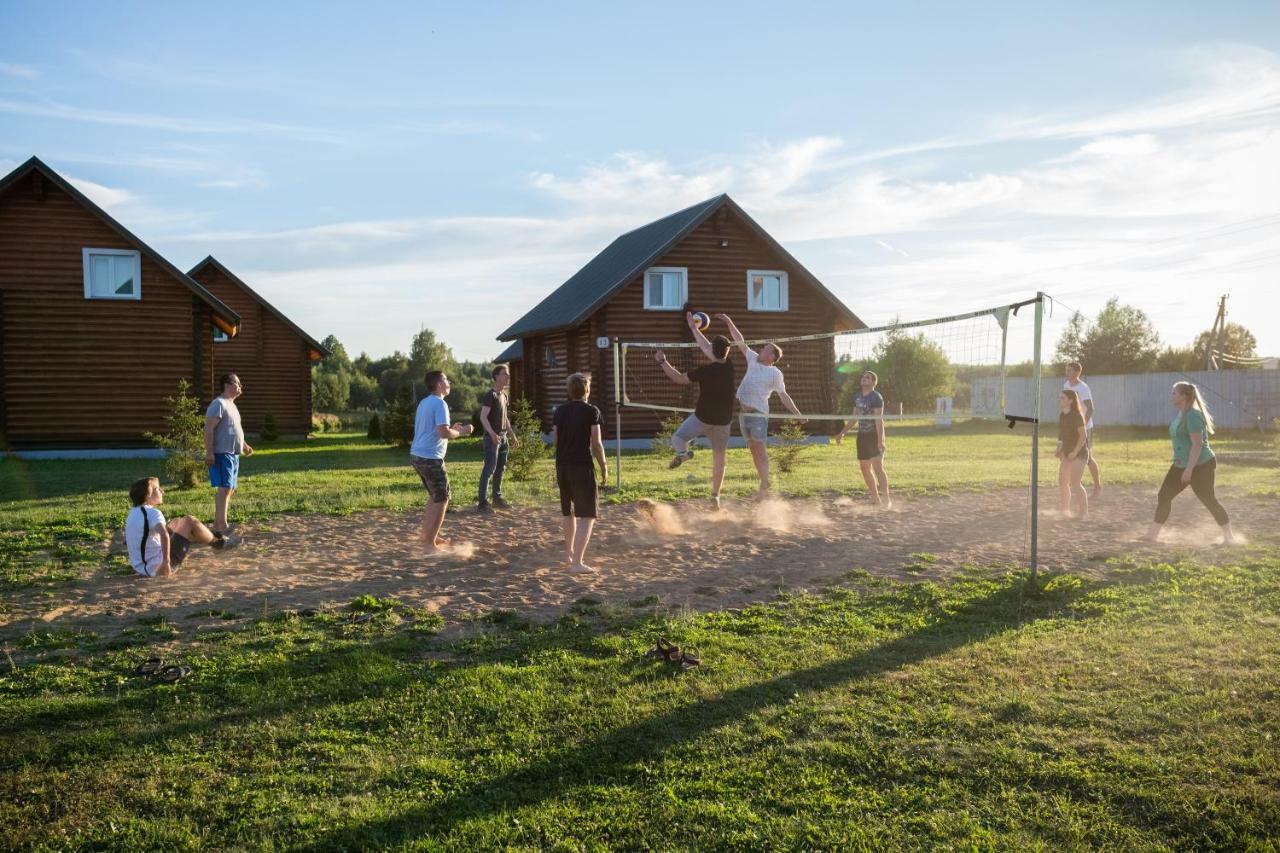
753,427
224,470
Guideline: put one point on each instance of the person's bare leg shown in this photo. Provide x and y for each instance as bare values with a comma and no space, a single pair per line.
1096,475
760,456
192,529
1064,488
1228,537
581,537
717,472
221,503
882,479
569,528
432,521
869,477
1077,487
1153,532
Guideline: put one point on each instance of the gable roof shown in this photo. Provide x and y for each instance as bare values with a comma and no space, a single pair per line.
318,350
629,255
230,320
514,352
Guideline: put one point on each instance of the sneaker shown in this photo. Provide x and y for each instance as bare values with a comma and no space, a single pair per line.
484,509
680,458
501,503
228,542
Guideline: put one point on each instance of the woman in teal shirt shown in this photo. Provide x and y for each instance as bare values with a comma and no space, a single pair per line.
1193,462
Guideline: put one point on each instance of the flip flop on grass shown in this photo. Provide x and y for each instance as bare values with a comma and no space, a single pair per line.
149,667
173,674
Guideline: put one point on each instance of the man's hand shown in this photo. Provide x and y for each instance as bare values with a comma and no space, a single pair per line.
723,318
208,459
1186,476
659,356
839,437
464,429
882,448
164,570
248,451
688,318
515,441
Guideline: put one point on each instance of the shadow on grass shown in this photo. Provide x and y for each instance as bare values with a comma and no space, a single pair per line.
608,756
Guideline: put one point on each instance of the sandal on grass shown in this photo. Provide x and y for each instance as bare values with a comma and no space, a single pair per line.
665,650
150,666
173,674
689,661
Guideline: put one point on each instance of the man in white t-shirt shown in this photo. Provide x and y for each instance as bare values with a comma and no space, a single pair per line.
431,434
762,380
1075,383
156,547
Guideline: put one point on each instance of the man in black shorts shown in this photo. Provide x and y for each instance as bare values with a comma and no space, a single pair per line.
714,411
870,404
576,435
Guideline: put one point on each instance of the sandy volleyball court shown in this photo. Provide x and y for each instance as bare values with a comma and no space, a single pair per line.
684,553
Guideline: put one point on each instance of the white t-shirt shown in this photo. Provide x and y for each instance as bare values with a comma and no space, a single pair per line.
1083,392
760,383
432,412
133,534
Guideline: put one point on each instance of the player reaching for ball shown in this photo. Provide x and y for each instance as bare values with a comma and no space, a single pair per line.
763,379
869,403
714,411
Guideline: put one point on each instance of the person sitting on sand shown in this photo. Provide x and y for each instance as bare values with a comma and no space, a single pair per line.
714,410
763,379
576,435
869,403
1194,464
431,434
1073,453
156,547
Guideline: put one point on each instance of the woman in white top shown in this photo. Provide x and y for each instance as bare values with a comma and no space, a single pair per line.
762,380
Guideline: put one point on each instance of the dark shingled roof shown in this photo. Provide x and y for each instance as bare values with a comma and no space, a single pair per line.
515,352
230,319
628,256
320,349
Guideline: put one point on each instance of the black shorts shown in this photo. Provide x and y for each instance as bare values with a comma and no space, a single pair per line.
179,546
868,445
579,495
435,479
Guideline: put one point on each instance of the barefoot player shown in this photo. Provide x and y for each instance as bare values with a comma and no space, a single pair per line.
577,438
431,434
869,403
714,411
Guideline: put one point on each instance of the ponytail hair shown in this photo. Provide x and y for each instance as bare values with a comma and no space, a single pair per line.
1190,391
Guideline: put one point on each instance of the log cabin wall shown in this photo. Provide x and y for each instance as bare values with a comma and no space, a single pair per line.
86,372
271,359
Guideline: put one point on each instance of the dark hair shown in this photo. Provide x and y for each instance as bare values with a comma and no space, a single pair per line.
223,381
1074,399
499,368
1076,366
141,489
577,385
719,346
433,379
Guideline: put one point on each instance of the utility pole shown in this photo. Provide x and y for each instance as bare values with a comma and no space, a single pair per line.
1219,329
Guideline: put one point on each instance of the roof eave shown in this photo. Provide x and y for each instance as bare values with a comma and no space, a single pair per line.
311,342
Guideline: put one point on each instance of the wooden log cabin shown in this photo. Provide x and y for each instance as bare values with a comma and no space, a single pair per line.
96,328
271,355
710,257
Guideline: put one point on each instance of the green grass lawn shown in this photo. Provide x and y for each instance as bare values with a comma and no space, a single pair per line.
1140,711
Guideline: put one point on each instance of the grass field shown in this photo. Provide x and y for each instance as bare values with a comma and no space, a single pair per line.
1137,710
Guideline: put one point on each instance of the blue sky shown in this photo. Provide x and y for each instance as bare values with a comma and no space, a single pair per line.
406,165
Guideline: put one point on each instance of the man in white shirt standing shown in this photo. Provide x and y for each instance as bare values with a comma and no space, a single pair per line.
223,444
431,434
763,379
1075,383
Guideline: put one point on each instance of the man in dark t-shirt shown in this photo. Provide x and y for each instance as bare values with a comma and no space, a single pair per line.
499,438
714,410
576,434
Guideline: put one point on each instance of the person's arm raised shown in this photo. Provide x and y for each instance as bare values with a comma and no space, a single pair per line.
734,335
698,338
672,374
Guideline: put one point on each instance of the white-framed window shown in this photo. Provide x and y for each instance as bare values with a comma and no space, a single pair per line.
666,288
767,290
112,274
219,336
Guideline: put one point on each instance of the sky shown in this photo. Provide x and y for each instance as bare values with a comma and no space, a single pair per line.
377,169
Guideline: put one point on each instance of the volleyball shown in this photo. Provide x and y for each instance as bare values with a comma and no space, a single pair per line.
701,320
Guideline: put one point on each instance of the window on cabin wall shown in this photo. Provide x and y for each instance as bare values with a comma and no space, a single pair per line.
219,336
112,274
666,288
767,290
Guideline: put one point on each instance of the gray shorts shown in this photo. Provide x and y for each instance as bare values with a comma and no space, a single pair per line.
692,428
754,427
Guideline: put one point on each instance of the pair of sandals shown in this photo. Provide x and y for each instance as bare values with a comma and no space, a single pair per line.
665,650
156,670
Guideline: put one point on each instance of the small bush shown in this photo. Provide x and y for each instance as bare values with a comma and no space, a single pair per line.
792,441
662,438
397,424
325,422
269,432
185,439
523,461
375,429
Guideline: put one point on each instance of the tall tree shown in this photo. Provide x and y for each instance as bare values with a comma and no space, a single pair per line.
1234,340
1071,343
1120,340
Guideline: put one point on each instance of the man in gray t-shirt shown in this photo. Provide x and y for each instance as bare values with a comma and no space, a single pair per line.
223,444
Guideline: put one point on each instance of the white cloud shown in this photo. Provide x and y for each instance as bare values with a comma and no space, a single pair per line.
23,72
104,196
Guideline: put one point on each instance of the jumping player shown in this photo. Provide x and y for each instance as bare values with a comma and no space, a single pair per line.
714,410
431,434
869,403
763,379
1194,463
576,435
1073,382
